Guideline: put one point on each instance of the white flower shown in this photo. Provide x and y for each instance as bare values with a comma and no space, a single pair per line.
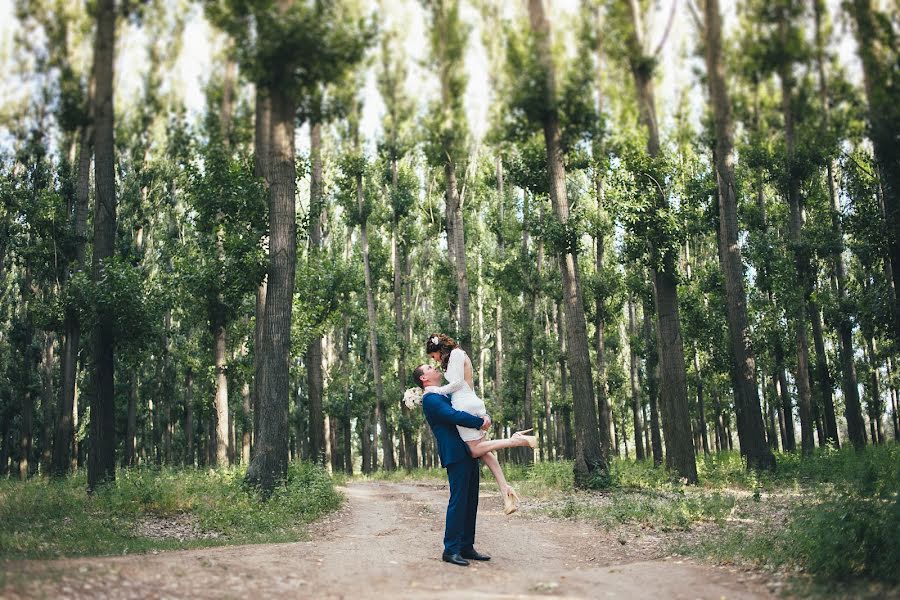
412,397
434,340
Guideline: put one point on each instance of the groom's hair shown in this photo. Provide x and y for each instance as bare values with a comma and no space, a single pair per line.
417,376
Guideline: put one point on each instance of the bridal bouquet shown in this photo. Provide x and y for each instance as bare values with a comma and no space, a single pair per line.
412,397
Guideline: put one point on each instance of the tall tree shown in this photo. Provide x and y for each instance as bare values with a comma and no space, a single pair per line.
102,457
633,370
298,46
590,462
746,398
786,13
675,415
398,112
78,211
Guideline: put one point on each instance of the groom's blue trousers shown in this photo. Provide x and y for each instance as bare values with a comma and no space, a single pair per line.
462,510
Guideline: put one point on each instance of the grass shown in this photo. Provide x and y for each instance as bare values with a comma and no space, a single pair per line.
49,519
841,527
833,517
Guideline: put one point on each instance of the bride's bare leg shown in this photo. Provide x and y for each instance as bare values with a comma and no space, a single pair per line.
479,448
494,465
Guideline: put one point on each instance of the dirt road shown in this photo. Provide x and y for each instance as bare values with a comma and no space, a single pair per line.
385,543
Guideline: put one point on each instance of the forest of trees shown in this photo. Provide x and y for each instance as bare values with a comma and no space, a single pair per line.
635,270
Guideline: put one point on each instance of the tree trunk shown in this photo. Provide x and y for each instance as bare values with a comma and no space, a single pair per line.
801,259
262,168
634,377
387,445
853,412
604,412
131,422
102,457
221,399
346,428
47,366
65,431
269,466
411,456
497,386
531,312
545,394
675,412
5,441
829,419
652,384
875,409
880,81
701,408
314,351
219,326
590,463
189,417
26,361
747,406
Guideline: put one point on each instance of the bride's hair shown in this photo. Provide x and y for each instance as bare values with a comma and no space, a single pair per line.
439,342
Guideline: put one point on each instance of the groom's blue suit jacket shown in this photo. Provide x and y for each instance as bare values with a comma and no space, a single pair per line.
443,419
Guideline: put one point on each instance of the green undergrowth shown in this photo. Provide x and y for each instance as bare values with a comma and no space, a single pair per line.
843,529
46,519
833,517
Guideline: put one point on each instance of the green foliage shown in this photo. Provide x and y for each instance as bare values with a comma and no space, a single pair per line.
295,46
446,126
47,519
847,530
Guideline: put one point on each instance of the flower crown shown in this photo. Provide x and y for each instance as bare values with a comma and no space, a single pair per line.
412,397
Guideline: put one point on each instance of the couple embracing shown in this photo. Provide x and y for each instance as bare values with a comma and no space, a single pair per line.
459,420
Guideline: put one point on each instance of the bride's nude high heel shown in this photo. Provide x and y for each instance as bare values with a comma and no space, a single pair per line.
531,439
510,501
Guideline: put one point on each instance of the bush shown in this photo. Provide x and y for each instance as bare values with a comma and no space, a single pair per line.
845,538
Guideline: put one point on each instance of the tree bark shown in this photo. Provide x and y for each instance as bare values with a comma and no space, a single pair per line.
801,259
269,466
590,462
634,378
652,384
875,408
131,422
262,167
829,419
102,457
530,315
47,368
189,417
750,422
314,351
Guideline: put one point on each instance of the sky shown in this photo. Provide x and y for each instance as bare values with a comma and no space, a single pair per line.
201,43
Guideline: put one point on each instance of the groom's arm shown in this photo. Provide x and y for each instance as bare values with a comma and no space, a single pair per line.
442,412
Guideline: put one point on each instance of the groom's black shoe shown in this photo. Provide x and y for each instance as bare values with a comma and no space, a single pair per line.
474,555
454,559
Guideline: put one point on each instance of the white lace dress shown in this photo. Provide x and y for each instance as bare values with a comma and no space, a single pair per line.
462,396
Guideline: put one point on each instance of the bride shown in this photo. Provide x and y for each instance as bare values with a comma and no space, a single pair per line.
458,371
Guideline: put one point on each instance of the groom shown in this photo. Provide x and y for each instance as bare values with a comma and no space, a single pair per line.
462,470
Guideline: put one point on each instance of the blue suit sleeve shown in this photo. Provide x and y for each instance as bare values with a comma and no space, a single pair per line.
442,412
